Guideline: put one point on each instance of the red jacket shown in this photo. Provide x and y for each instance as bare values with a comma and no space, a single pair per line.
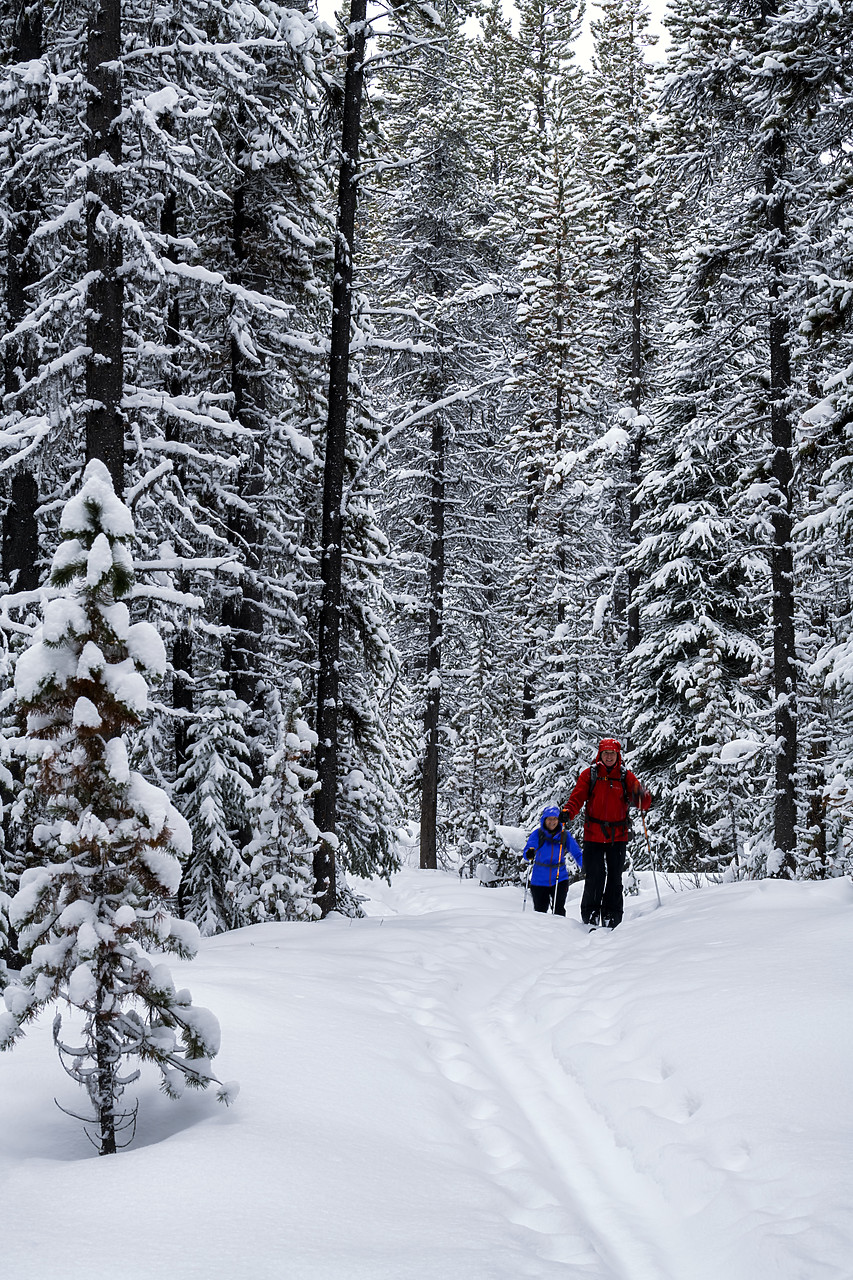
606,810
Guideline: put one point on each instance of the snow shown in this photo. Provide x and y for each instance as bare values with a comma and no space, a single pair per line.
91,662
147,649
452,1087
127,685
204,1027
100,560
62,616
69,552
819,414
739,750
39,665
86,715
115,758
81,985
512,837
152,806
97,492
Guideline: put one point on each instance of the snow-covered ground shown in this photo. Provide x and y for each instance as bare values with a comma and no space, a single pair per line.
454,1089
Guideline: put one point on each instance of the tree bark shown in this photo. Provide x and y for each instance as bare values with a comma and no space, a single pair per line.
182,649
20,526
781,556
632,637
432,710
241,613
329,633
20,534
105,294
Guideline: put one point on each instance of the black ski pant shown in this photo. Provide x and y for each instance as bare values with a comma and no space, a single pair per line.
543,895
603,865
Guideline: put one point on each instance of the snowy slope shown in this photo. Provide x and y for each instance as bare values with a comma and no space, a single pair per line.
453,1088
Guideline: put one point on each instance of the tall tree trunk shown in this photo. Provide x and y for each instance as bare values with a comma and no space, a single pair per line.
781,557
241,613
105,1059
632,638
20,526
329,633
105,294
182,649
432,711
20,534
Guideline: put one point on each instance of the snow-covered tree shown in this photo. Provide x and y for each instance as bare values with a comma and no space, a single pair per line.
277,881
92,901
214,791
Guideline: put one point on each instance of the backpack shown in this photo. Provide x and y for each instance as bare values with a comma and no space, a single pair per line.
593,778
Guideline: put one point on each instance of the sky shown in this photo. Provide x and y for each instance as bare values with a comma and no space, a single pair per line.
328,8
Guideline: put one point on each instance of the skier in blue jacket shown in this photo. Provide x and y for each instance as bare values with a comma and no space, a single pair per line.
548,847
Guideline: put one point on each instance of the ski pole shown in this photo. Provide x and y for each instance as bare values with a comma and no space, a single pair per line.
651,855
526,883
557,872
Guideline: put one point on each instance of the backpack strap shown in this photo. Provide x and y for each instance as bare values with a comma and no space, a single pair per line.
593,779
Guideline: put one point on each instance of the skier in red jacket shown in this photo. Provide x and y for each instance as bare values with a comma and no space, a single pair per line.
607,789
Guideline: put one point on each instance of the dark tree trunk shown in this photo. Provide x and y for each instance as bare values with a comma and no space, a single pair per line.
28,37
20,534
632,638
432,711
105,294
781,557
106,1072
528,687
241,613
329,635
182,649
20,526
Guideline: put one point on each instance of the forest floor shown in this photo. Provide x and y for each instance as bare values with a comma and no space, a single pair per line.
454,1089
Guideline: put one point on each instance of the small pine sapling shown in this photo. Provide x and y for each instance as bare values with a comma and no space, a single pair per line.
278,882
214,789
92,898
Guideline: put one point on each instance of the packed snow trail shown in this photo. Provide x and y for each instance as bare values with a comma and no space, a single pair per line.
452,1089
565,1178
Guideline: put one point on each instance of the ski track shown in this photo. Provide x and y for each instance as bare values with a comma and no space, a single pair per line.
572,1190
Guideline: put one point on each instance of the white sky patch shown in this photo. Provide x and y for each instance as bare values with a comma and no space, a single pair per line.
327,9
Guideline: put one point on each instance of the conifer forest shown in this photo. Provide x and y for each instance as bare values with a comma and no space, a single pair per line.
391,409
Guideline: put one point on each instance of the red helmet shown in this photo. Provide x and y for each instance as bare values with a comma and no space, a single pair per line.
609,744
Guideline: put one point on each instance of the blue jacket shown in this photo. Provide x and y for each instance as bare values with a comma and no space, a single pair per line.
550,849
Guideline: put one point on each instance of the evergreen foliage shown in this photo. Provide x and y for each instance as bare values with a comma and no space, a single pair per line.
590,432
92,901
276,882
214,790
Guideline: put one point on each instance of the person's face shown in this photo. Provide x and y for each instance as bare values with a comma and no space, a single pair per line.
609,757
552,823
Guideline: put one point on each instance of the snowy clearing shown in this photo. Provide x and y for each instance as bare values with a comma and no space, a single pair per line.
454,1088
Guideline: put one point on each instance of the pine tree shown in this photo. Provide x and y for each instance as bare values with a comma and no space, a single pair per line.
103,858
561,574
748,155
277,882
334,462
622,196
214,791
446,491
